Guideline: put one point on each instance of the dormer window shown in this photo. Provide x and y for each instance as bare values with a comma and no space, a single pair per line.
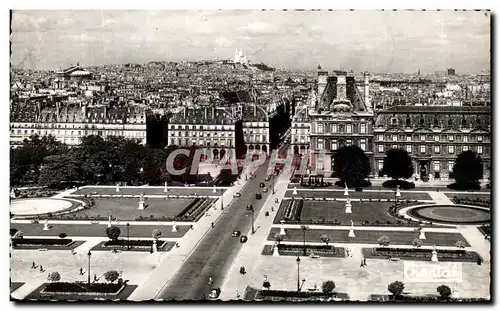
464,123
422,121
408,122
436,122
394,121
450,122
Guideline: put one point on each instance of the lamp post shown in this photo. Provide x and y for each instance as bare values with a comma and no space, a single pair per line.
298,273
250,208
304,229
89,254
273,182
128,236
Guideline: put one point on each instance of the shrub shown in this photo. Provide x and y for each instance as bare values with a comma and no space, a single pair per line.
325,238
54,277
62,235
417,242
460,244
384,240
444,291
396,288
111,276
156,234
328,287
278,237
266,284
113,233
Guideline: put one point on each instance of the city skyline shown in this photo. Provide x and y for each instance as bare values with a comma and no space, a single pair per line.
377,41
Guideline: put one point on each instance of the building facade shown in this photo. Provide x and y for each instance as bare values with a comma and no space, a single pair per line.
433,136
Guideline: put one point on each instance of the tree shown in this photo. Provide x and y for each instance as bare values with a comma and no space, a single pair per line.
328,287
384,240
460,244
62,235
278,238
325,238
156,234
444,291
54,277
468,169
266,284
111,276
417,242
398,164
113,233
351,165
59,169
396,288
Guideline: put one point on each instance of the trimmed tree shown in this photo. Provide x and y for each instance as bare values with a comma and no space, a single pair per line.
54,277
398,164
113,233
396,288
468,170
328,287
417,242
62,235
384,240
266,284
351,165
156,234
460,244
111,276
444,291
325,238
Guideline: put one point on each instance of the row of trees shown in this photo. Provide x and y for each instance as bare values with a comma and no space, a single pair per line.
352,167
397,288
47,162
110,276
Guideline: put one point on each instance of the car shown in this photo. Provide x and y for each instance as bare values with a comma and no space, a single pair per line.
214,293
236,233
262,185
264,190
237,195
243,239
258,196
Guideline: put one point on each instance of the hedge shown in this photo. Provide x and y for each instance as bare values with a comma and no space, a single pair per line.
82,287
42,241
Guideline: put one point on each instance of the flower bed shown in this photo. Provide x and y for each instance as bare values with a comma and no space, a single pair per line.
405,298
269,294
320,250
420,254
89,289
147,243
42,241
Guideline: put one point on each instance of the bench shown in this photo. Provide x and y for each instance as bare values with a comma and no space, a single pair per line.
395,259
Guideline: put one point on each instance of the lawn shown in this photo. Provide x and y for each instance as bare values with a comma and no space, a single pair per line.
149,191
469,195
15,285
123,295
333,210
127,209
369,237
358,195
95,230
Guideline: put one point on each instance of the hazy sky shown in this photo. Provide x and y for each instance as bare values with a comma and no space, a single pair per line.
402,41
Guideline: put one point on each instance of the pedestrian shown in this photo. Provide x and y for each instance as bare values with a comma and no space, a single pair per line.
81,271
361,263
237,294
95,277
41,269
272,208
364,262
212,224
33,265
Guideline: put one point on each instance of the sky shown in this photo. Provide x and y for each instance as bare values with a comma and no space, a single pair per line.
375,41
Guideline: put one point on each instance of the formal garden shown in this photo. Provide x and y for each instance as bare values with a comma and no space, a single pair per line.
421,254
324,293
152,245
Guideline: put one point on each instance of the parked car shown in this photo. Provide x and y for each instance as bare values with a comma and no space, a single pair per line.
237,195
262,185
214,293
243,239
258,196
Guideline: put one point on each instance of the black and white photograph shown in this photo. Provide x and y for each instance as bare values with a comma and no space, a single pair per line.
251,155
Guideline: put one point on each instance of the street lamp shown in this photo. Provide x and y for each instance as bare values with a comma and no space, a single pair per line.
250,208
128,236
89,254
304,229
298,273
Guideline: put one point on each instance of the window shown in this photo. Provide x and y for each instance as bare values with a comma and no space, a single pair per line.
341,128
320,128
394,137
422,137
380,165
362,128
362,144
380,137
478,122
436,137
408,138
334,128
319,165
450,122
380,148
349,128
450,166
334,144
437,149
421,121
394,146
466,139
450,137
436,122
348,142
479,149
408,122
437,166
451,149
320,144
464,123
465,148
480,138
394,121
408,148
422,148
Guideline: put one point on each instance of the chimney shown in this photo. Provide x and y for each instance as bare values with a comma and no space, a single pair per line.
367,91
